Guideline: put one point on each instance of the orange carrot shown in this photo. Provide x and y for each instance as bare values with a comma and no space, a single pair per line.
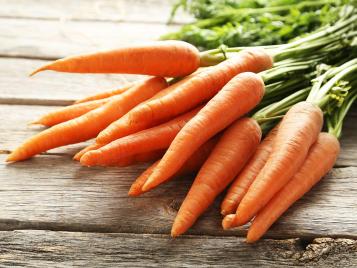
236,98
193,164
245,178
90,124
229,156
69,112
297,131
105,94
320,160
90,147
139,158
151,139
160,58
186,94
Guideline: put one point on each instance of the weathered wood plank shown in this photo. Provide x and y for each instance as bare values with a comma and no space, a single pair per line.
54,39
109,10
15,129
55,193
64,249
50,88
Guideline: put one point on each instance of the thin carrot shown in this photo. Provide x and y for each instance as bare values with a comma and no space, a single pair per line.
160,58
236,98
193,164
245,178
90,124
158,137
139,158
321,158
229,156
90,147
297,131
69,112
186,94
105,94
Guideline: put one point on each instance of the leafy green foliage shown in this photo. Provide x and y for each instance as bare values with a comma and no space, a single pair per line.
253,22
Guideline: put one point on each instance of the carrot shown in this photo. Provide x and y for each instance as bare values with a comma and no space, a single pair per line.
69,112
160,58
90,147
105,94
193,164
151,139
139,158
229,156
321,158
90,124
186,94
245,178
236,98
297,131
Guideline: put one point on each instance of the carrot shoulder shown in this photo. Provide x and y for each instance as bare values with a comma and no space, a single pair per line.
297,131
237,97
160,58
321,158
158,137
246,177
193,164
229,156
186,94
90,124
105,94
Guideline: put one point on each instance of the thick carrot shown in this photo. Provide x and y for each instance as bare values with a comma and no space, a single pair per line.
321,158
69,112
186,94
245,178
90,124
297,131
139,158
229,156
155,138
90,147
105,94
236,98
160,58
193,164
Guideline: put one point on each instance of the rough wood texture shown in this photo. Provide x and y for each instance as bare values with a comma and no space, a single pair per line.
50,88
55,193
15,129
54,39
65,249
108,10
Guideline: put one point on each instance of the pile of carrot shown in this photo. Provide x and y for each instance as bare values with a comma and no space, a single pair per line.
207,121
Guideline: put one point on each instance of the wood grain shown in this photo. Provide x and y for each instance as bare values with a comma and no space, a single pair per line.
15,129
67,249
157,11
55,39
51,88
56,193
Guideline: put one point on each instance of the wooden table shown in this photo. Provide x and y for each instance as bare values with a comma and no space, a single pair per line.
56,213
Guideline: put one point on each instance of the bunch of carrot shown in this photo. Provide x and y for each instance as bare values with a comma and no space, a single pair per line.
212,120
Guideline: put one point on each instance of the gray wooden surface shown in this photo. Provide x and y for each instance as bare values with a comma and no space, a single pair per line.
90,217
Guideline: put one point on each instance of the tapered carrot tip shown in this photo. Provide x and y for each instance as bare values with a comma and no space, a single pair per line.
228,221
38,70
88,159
147,186
251,238
77,156
134,191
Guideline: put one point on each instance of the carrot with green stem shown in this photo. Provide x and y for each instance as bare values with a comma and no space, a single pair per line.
237,97
90,124
158,137
320,159
229,156
160,58
105,94
193,164
186,94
